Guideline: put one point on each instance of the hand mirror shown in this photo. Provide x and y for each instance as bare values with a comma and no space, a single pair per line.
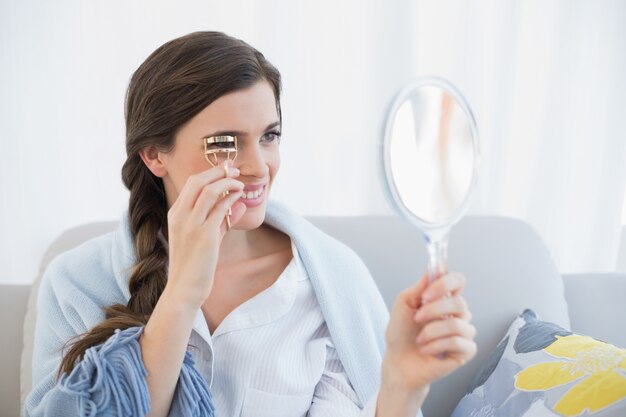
430,161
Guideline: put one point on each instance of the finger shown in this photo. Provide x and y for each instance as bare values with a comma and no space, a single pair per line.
465,315
217,216
455,346
238,209
439,329
211,193
449,284
412,296
196,182
447,306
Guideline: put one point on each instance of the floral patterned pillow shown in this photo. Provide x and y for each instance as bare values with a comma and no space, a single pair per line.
540,369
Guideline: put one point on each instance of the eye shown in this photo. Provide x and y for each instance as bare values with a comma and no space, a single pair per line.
269,137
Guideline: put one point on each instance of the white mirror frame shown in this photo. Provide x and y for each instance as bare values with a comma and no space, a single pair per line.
430,228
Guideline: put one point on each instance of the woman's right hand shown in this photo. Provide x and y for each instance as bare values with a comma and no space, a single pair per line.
196,226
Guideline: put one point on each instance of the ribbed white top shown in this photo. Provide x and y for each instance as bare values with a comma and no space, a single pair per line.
273,356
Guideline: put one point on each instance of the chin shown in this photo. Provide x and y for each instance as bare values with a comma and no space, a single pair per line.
252,219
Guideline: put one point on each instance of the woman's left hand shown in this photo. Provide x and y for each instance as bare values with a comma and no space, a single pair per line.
429,334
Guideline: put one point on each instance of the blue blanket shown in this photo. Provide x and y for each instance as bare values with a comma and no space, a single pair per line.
110,380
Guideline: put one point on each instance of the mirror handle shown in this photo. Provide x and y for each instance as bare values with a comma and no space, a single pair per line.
437,257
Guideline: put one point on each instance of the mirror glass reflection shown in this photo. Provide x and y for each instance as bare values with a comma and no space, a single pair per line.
431,153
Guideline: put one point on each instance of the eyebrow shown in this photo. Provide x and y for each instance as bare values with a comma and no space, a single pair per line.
239,132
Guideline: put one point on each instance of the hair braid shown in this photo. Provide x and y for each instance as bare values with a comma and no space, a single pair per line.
147,212
148,220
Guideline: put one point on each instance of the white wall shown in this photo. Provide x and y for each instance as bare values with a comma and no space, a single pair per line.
65,67
547,82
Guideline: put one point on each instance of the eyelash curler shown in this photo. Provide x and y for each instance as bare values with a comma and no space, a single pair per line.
218,150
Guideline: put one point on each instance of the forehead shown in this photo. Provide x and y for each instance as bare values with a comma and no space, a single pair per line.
250,110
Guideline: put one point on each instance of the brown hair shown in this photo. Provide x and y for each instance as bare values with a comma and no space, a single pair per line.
171,86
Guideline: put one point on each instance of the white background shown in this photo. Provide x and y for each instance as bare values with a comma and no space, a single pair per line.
545,80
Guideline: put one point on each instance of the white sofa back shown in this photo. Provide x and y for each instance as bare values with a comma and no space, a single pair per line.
507,265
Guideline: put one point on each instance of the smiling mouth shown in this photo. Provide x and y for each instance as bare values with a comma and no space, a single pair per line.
250,195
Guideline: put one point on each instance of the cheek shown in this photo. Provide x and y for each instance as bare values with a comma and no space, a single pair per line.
183,168
274,165
277,163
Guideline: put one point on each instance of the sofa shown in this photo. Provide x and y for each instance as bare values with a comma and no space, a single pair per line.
507,265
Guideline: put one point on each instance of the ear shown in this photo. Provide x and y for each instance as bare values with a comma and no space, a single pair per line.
154,161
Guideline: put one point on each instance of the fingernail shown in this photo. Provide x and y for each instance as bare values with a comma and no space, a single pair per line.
233,171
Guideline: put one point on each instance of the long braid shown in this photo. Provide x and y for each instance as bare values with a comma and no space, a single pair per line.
147,213
148,221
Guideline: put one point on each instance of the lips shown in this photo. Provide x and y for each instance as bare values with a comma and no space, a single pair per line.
253,195
250,194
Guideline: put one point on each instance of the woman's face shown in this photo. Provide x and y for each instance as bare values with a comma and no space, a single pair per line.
249,114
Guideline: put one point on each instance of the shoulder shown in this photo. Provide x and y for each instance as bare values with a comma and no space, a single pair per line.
81,280
76,255
330,262
81,266
338,253
315,245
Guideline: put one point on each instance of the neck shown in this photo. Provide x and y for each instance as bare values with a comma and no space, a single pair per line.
241,245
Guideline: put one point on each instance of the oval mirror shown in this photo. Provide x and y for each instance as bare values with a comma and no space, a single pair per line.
430,160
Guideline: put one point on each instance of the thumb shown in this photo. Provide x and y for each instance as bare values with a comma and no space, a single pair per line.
412,296
238,209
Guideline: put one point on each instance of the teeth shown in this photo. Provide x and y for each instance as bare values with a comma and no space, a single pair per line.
253,194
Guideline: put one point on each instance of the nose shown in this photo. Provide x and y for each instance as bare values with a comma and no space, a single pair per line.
251,162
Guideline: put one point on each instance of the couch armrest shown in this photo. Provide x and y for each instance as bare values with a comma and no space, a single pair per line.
12,308
597,305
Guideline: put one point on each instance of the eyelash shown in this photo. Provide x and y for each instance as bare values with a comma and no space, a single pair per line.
275,137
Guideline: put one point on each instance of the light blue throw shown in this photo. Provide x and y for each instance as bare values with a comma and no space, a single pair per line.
110,380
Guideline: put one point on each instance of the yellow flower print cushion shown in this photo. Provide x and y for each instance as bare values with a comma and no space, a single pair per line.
540,369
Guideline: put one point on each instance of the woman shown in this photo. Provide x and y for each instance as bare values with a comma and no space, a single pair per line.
216,300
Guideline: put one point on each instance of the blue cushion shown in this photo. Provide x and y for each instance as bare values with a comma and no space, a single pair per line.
540,369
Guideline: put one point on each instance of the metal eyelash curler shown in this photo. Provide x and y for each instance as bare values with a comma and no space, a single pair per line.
218,151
